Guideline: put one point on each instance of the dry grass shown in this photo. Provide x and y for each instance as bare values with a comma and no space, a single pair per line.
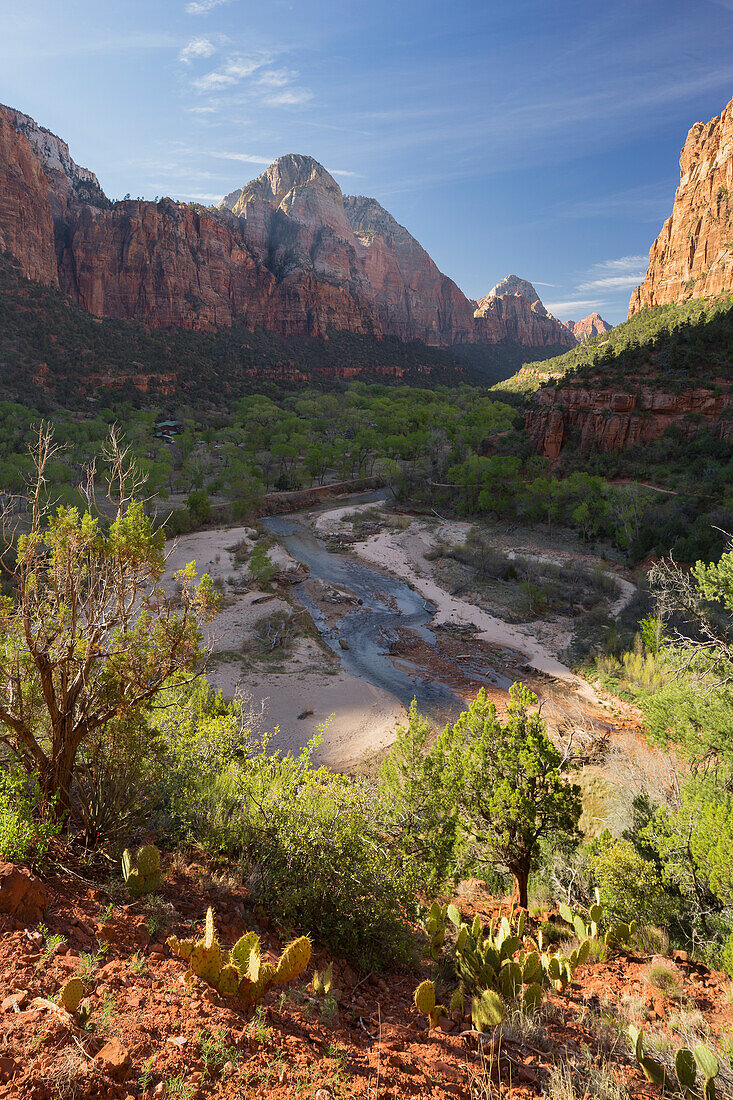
664,977
589,1083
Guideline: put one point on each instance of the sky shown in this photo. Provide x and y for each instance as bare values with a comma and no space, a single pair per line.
534,138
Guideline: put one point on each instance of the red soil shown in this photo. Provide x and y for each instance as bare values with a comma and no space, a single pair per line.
374,1045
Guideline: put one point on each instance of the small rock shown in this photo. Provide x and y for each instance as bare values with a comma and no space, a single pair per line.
156,949
178,1041
680,956
324,1094
114,1059
447,1070
22,894
15,1001
7,1068
526,1074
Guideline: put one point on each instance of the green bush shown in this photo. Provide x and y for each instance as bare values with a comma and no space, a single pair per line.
261,568
310,841
630,886
26,827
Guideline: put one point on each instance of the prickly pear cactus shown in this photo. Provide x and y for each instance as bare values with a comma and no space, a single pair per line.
487,1010
425,1002
71,994
143,875
240,972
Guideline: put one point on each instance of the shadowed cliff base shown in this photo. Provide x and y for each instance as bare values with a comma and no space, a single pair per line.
53,352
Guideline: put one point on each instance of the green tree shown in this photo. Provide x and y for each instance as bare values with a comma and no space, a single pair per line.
509,786
412,779
89,634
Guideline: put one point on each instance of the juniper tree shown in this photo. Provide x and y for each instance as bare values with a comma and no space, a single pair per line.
88,633
509,786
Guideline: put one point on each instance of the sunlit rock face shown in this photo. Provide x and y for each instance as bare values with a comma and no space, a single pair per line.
287,252
693,255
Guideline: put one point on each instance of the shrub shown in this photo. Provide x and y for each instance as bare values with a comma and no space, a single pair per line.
26,827
666,979
618,869
261,568
310,840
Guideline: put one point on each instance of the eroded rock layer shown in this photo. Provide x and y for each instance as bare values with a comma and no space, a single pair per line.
286,252
693,255
607,420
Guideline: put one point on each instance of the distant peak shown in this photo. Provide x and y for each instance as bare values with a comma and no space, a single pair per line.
287,174
512,284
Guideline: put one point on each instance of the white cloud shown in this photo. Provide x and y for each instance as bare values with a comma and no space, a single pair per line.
245,158
291,98
614,282
233,71
197,48
276,78
203,7
621,274
257,78
575,306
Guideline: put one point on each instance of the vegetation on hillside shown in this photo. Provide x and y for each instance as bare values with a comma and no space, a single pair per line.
678,345
53,354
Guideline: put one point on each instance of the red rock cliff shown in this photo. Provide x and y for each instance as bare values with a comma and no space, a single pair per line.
608,420
26,222
693,255
286,252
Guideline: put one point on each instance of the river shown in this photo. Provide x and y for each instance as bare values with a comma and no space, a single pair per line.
367,629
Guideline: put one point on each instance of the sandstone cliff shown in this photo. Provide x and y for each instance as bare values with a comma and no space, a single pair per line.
608,420
26,220
592,325
693,255
286,252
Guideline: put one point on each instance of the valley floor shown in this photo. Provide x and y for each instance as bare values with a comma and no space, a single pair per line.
266,647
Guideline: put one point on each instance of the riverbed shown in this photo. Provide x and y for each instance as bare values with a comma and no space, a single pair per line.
387,633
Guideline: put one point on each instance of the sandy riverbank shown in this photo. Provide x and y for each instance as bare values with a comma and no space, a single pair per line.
306,678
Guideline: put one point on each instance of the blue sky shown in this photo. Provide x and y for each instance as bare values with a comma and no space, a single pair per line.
516,136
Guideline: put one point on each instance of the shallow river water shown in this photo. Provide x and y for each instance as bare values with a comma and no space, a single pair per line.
368,629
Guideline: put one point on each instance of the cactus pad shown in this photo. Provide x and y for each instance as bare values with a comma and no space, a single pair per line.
148,860
706,1061
229,981
685,1068
487,1010
293,960
242,949
425,997
71,994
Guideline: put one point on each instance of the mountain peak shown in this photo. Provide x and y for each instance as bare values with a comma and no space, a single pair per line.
512,284
53,153
288,174
592,325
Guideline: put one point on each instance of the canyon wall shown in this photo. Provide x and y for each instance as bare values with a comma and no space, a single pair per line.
26,219
608,421
287,252
693,255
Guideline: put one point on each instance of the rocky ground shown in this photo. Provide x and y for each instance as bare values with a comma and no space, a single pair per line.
152,1035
